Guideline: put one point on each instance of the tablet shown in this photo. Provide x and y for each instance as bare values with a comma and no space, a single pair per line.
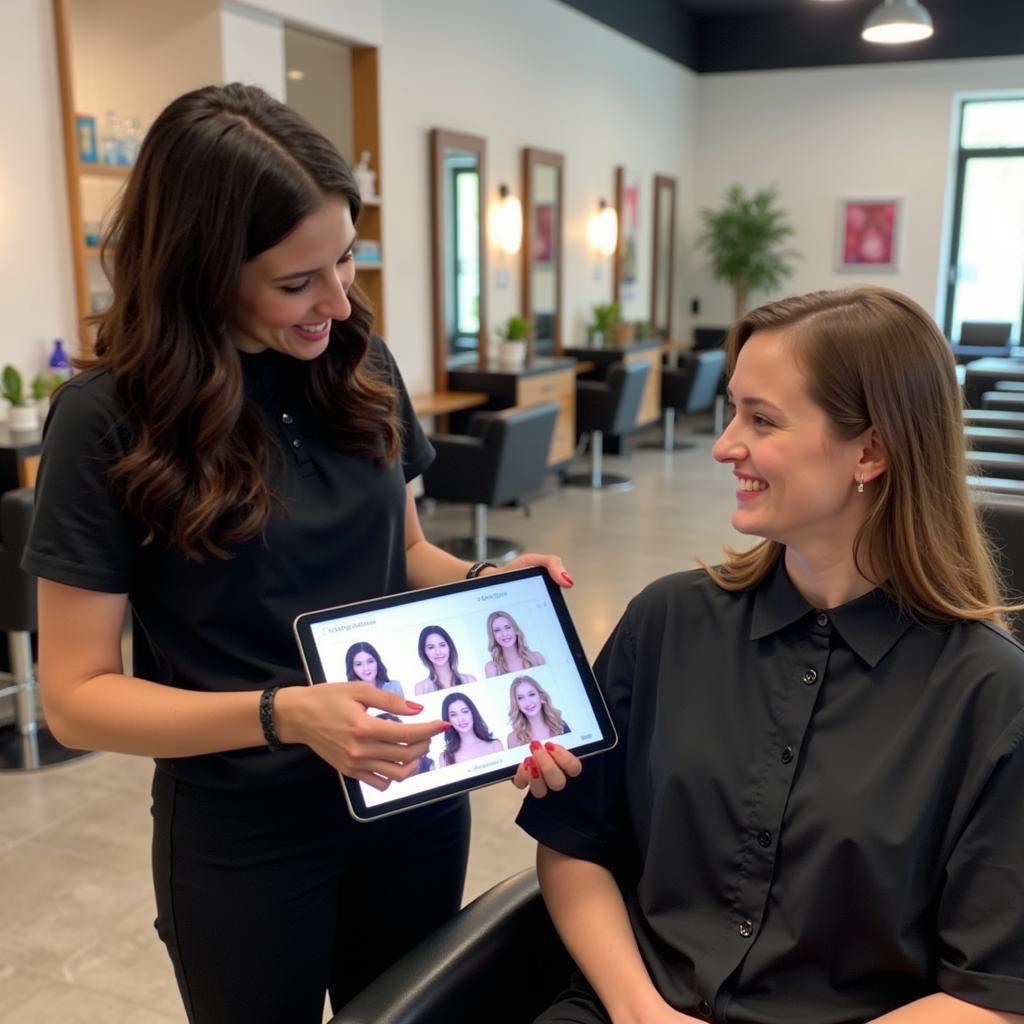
464,634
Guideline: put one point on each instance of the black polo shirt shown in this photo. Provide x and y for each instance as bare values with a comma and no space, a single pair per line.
338,535
815,816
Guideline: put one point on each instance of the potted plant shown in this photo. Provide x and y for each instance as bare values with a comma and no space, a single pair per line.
743,240
515,337
43,387
601,331
23,414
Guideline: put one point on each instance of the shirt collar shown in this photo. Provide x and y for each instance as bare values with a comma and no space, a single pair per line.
870,624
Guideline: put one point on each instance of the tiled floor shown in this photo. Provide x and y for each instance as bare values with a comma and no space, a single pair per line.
77,944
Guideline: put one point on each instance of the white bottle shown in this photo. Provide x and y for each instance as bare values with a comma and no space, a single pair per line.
110,139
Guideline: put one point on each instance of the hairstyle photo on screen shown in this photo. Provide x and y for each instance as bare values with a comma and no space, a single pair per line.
441,660
469,736
531,713
362,662
507,647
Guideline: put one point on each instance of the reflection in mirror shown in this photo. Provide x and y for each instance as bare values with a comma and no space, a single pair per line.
663,264
457,168
543,174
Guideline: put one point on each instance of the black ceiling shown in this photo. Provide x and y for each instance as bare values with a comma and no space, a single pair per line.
746,35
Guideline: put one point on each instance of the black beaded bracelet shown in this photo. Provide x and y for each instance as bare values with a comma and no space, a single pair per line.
267,717
477,568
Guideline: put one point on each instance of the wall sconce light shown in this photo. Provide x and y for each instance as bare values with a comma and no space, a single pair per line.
507,222
603,229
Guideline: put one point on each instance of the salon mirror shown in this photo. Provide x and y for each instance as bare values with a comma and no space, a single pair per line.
459,267
663,262
543,175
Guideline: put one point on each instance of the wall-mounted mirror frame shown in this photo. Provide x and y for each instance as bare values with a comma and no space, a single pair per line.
663,258
442,144
542,267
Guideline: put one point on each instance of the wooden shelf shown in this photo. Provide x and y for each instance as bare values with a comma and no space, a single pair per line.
103,170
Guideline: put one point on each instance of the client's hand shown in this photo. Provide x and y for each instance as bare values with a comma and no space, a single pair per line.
548,767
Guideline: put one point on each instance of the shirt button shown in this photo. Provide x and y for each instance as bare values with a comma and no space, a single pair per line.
297,442
822,619
764,838
704,1008
746,929
286,417
787,755
810,677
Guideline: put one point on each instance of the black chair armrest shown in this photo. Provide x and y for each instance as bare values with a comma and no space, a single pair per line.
17,589
499,960
593,405
456,472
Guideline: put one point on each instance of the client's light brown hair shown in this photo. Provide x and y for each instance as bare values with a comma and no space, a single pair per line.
873,357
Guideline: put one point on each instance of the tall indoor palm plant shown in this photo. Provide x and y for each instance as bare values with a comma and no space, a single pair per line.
743,239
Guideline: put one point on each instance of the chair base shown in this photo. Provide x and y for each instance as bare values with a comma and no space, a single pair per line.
659,446
497,549
26,753
608,481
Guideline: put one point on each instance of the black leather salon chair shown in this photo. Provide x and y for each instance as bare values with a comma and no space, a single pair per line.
502,458
994,418
499,961
607,407
1003,519
24,744
979,339
1001,465
688,389
996,485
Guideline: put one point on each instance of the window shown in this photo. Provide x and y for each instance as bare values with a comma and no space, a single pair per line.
986,264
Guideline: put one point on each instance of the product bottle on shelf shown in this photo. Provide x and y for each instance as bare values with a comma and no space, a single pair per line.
60,366
131,139
110,140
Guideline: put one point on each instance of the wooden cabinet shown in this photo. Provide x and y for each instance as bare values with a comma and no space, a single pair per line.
547,380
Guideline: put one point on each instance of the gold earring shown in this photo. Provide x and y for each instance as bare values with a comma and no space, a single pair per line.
860,485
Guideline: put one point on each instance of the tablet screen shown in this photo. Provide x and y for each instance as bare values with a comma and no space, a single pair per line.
496,657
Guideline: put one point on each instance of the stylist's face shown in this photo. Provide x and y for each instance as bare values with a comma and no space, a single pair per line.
795,479
291,293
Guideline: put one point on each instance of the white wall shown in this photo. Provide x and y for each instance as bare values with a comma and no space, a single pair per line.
533,73
357,21
252,49
830,133
36,291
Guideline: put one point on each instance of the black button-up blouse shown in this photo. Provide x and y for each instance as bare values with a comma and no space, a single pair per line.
815,816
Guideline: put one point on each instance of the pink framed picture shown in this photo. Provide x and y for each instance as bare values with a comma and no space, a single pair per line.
869,234
544,240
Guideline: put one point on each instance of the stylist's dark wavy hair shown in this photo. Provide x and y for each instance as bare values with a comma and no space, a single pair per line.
225,173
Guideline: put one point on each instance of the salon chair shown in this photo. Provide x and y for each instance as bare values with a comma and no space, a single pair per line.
996,485
607,407
979,339
499,961
1001,465
1002,517
691,388
501,458
995,439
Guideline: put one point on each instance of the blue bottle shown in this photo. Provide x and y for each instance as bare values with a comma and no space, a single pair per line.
60,366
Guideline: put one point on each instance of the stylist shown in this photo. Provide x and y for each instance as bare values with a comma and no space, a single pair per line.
238,451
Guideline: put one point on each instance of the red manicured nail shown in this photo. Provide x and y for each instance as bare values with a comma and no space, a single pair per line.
414,707
535,745
535,771
446,726
528,763
549,746
568,579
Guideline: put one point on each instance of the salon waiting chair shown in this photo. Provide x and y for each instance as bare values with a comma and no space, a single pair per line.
689,388
994,439
499,961
980,338
1002,517
996,485
502,458
1007,401
994,418
607,407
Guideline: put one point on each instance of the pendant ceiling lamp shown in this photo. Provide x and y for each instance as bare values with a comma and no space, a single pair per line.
898,21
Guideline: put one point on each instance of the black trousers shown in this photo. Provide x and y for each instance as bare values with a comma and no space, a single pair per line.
267,900
578,1004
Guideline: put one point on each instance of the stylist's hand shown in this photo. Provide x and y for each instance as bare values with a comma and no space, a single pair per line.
547,768
331,720
552,563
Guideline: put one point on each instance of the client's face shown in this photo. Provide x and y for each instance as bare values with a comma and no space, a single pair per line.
461,717
365,666
528,699
436,649
504,632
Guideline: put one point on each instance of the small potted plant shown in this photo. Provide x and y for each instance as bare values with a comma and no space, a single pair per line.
515,336
43,387
23,415
601,331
